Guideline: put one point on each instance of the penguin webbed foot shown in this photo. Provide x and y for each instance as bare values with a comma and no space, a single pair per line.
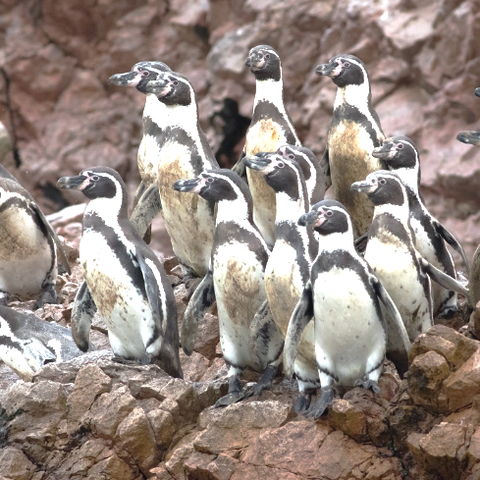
302,403
367,383
265,382
128,361
319,408
49,295
234,395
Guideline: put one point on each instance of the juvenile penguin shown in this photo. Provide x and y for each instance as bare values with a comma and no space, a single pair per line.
235,280
354,132
402,157
184,153
392,255
269,129
344,297
29,246
123,278
27,342
148,151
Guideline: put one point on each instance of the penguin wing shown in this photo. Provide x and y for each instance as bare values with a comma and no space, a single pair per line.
301,315
201,299
453,242
84,309
148,206
361,243
325,164
51,232
240,167
393,313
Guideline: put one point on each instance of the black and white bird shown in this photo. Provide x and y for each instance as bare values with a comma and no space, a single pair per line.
402,157
235,280
354,132
29,247
123,278
344,298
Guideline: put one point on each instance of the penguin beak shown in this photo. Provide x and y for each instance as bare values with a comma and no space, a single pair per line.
78,182
383,152
129,79
159,86
326,69
308,218
187,185
366,186
256,163
477,92
470,136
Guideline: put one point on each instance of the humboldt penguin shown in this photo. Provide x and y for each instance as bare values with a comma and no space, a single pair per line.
354,132
344,297
392,255
124,279
288,268
29,247
238,261
184,153
269,129
148,151
402,157
27,342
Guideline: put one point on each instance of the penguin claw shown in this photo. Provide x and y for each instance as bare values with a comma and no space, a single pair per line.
229,399
368,384
303,402
321,406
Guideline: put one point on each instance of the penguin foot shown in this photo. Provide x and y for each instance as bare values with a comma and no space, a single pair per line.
49,295
325,400
191,283
264,383
368,384
235,393
127,361
302,403
448,312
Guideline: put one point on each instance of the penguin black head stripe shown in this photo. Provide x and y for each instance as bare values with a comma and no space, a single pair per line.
382,187
326,217
264,63
140,75
344,70
171,88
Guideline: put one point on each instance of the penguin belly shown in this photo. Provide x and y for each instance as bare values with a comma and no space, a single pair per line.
188,218
350,339
27,259
125,309
148,158
240,291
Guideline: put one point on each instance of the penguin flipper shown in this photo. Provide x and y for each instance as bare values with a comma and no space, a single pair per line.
59,246
239,168
201,299
325,164
453,242
301,315
361,243
148,206
84,309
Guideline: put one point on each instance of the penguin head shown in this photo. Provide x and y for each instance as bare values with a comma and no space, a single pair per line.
344,70
171,88
327,217
382,187
140,75
264,62
305,158
471,137
397,152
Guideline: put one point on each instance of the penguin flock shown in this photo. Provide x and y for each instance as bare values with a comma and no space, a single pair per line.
320,268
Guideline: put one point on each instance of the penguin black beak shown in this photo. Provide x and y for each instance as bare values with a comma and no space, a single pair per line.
248,62
124,79
308,218
477,92
364,186
382,152
325,69
186,185
471,137
158,86
256,163
78,182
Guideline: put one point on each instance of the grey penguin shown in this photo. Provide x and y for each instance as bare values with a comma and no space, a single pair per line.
123,278
392,255
402,157
29,247
471,136
354,132
148,157
269,129
344,298
27,342
184,153
236,281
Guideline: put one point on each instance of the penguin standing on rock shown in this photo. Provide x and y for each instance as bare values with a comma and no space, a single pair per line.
269,129
235,280
123,278
343,296
401,156
28,246
354,132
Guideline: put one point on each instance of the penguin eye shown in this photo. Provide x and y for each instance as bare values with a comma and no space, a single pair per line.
175,82
145,73
280,164
95,178
209,180
328,213
400,146
382,181
291,156
267,56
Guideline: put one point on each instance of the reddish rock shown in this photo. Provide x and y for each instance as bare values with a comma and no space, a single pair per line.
15,465
163,426
348,418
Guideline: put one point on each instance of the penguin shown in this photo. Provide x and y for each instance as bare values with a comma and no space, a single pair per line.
269,129
236,281
354,132
402,157
288,268
184,153
153,117
392,255
123,278
471,136
27,342
29,247
344,298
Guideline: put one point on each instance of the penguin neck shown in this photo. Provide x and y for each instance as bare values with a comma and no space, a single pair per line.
184,117
336,241
357,96
236,210
400,212
410,178
110,210
154,109
289,209
269,91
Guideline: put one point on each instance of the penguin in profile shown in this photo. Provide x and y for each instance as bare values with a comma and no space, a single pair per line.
153,117
29,247
269,129
184,153
392,255
236,281
401,156
344,298
354,132
27,343
123,278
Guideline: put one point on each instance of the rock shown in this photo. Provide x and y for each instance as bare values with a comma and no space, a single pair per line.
348,418
15,465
